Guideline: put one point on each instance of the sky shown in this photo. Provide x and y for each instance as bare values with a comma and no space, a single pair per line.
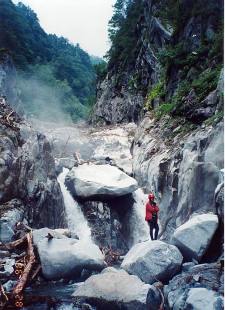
81,21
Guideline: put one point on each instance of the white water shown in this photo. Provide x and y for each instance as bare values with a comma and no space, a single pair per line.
140,229
76,221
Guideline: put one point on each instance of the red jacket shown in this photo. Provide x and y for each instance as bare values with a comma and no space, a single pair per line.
149,210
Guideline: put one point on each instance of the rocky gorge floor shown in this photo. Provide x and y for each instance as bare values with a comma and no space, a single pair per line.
80,194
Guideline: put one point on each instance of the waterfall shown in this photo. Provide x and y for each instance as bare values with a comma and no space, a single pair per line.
76,221
140,229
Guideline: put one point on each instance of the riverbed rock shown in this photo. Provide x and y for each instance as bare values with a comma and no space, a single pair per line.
208,276
153,261
91,181
11,213
193,237
66,258
116,289
40,234
202,298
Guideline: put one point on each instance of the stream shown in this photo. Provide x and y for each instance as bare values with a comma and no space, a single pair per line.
77,224
91,145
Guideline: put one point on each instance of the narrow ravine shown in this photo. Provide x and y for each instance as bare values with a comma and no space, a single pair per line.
76,221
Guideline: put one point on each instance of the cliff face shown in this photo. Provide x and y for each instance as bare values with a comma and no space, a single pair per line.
27,173
119,97
176,61
174,90
184,171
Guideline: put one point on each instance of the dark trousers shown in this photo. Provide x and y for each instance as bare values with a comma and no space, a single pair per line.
153,226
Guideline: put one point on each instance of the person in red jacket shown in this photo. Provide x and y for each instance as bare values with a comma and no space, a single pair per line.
152,216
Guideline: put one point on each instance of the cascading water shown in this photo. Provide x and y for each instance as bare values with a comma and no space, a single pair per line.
140,229
76,221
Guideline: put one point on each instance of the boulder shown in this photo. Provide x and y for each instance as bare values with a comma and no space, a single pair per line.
193,237
207,276
11,213
40,234
153,261
67,257
219,199
99,181
202,298
116,289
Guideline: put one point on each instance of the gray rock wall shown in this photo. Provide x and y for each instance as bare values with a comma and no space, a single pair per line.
27,172
183,173
120,98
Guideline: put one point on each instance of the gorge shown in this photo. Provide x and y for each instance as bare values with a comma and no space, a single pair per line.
80,189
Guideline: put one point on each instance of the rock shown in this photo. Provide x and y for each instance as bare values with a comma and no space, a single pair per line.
40,234
66,162
66,258
11,212
116,289
7,269
202,298
193,237
27,172
219,198
99,181
9,285
187,266
189,178
107,221
207,276
153,261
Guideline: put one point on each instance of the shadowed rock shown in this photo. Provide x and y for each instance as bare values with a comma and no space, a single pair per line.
193,237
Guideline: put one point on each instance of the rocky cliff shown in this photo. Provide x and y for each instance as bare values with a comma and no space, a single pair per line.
28,183
176,96
173,65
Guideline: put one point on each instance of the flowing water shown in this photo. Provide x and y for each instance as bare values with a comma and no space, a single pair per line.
140,229
76,221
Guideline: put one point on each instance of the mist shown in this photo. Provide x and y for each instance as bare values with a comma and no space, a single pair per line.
49,100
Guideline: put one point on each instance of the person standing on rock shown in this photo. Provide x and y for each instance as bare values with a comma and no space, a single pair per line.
152,216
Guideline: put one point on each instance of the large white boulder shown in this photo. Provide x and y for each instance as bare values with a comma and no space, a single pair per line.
99,181
194,236
153,261
66,257
116,289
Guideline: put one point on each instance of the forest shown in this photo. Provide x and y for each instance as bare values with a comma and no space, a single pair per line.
51,70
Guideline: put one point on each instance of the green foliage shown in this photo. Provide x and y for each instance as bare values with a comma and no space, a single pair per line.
122,32
155,92
101,70
51,98
215,119
163,109
206,82
51,60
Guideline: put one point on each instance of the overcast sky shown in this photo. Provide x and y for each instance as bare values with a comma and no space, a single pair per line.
81,21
